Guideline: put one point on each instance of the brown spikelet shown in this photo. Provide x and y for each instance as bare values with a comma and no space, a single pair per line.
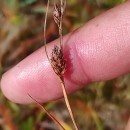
58,12
57,61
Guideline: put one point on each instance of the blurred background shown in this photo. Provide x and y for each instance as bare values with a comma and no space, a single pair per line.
99,106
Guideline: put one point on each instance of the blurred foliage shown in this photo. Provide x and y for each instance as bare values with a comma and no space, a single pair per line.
100,106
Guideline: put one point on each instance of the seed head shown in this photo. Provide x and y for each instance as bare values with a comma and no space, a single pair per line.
58,12
57,61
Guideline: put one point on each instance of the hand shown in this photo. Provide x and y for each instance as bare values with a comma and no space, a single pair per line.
98,51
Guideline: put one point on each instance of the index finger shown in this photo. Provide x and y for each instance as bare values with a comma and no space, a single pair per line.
99,50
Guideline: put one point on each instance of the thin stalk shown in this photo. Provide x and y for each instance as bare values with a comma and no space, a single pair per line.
60,28
48,113
67,103
60,33
45,21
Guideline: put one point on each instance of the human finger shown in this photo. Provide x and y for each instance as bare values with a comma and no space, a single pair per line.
98,51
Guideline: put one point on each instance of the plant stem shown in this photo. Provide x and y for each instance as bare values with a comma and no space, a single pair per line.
67,103
60,33
48,113
45,21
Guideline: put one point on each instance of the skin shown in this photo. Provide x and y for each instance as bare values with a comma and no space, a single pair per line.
98,51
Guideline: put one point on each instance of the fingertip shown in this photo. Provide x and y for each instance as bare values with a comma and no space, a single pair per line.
11,92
